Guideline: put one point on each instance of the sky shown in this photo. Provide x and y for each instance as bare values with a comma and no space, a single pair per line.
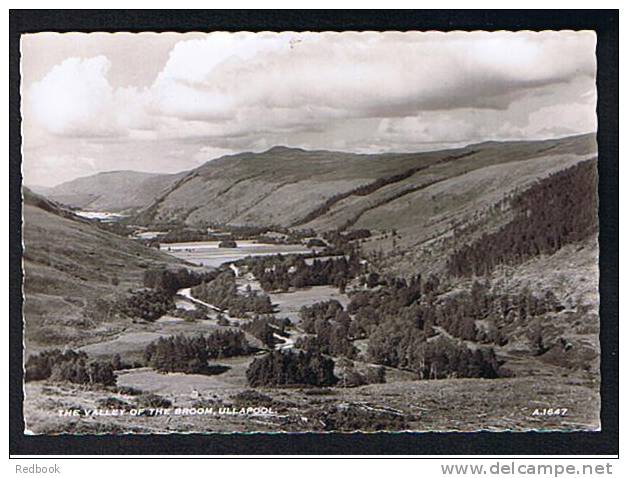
170,102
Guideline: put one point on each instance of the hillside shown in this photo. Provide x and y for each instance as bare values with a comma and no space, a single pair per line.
422,197
72,272
111,191
327,190
508,229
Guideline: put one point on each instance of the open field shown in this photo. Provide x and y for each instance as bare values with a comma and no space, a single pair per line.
288,303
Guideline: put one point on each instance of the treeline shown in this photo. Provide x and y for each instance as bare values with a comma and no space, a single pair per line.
557,210
183,234
191,354
291,368
69,366
223,293
381,182
282,272
363,190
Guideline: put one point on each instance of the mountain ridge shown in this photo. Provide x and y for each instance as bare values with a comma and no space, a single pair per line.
255,188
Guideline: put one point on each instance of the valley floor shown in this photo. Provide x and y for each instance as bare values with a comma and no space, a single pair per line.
518,403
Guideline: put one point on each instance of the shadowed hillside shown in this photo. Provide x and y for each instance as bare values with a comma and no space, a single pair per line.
111,191
72,273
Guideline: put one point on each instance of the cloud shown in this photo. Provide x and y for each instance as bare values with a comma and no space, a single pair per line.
364,75
72,95
75,99
353,91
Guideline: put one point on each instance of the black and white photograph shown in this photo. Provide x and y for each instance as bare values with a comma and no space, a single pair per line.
288,232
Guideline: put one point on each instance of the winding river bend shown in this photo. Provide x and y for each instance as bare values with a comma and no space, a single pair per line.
287,304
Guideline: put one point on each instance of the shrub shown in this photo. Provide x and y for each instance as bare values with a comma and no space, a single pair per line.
151,400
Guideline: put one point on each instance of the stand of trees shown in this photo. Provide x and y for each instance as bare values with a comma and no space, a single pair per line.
395,297
170,280
147,304
444,358
557,210
352,377
405,336
265,328
190,354
69,366
280,272
316,242
330,339
223,293
327,310
459,313
157,298
331,326
418,305
397,343
291,368
184,234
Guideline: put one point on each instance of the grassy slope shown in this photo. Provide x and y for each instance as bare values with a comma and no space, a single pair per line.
69,265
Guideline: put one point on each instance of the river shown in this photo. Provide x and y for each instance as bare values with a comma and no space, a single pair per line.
288,304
